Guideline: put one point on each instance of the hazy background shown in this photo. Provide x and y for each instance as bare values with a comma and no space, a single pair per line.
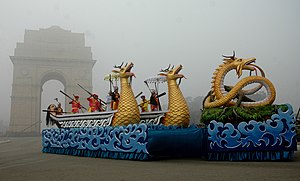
155,33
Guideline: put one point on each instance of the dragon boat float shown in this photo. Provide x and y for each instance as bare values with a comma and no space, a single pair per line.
128,134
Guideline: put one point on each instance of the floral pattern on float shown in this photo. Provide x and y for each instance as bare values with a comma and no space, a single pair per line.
277,133
126,139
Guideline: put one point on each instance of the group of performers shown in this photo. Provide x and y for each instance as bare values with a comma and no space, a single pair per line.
153,101
112,102
95,104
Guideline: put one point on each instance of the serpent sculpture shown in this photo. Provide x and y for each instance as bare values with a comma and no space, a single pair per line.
128,112
178,113
219,97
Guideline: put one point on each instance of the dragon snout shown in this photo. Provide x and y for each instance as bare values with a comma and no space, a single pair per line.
177,69
249,64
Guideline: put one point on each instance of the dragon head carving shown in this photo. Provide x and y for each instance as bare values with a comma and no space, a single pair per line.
172,74
124,71
240,64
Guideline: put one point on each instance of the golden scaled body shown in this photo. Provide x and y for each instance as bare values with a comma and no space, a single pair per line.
219,97
128,111
178,113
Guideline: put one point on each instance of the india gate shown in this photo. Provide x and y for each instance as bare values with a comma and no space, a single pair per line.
46,54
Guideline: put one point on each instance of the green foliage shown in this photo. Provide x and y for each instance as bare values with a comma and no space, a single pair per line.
236,115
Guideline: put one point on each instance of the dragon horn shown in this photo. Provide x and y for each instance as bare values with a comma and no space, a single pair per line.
119,65
231,57
167,69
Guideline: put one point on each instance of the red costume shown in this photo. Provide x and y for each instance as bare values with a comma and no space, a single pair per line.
75,105
94,103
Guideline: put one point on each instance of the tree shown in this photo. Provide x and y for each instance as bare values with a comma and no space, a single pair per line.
195,107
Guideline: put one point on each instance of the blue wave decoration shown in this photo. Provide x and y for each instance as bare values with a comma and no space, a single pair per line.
251,156
277,133
98,141
163,127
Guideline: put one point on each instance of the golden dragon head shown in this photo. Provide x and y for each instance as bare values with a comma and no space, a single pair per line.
240,64
124,71
172,74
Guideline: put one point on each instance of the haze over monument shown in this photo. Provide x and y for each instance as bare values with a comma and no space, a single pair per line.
47,54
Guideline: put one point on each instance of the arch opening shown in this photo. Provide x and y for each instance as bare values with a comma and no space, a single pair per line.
51,84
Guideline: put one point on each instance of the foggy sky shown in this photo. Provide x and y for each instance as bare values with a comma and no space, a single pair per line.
155,33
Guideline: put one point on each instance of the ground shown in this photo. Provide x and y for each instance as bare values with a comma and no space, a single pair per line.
22,159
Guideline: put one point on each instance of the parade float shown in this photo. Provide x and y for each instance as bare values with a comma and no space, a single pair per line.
126,133
240,128
237,128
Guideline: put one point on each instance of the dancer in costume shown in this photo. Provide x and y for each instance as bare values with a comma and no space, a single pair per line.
94,104
115,99
59,109
75,104
144,104
154,101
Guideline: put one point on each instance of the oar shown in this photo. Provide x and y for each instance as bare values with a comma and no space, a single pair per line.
54,111
138,94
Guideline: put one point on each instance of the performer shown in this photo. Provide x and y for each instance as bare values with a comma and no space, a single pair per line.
144,104
75,104
154,101
108,101
59,109
94,104
115,99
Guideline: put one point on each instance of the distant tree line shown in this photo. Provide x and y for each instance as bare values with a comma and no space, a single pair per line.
195,107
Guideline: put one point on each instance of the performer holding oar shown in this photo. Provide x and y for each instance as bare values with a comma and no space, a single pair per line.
75,103
95,102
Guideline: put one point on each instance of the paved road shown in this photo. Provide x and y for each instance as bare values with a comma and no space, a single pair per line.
22,159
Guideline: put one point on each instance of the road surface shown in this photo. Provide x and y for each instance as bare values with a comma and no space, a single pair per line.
22,159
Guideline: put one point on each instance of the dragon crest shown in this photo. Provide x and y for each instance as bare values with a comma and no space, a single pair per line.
222,95
124,71
239,64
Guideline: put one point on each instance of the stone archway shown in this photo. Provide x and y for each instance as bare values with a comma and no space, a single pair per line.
46,54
